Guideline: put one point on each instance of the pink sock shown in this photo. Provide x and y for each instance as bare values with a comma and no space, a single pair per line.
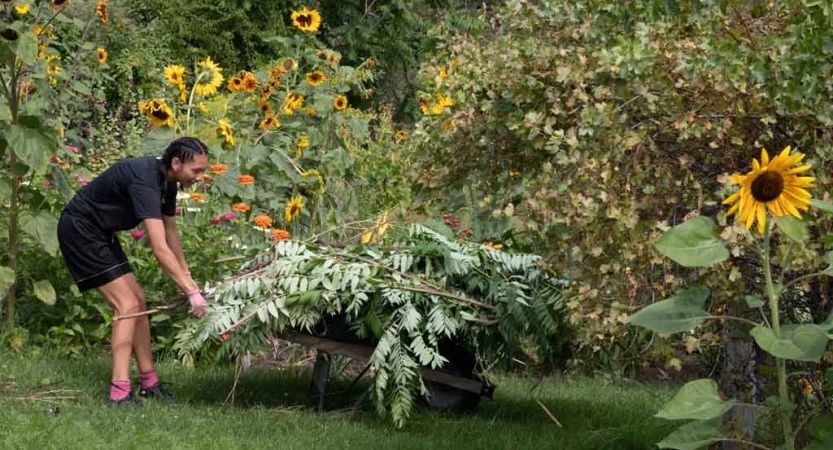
119,389
148,379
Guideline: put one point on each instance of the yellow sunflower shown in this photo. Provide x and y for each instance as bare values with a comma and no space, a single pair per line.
249,82
101,10
235,84
292,102
401,135
226,130
269,122
275,75
102,55
175,74
306,20
293,208
340,102
315,78
264,107
58,4
265,92
443,102
21,9
159,113
209,77
771,185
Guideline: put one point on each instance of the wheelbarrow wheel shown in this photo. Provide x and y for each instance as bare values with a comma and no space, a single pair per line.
442,397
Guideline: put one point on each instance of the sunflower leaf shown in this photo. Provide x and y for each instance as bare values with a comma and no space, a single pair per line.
797,342
693,436
793,227
824,206
697,400
693,243
681,312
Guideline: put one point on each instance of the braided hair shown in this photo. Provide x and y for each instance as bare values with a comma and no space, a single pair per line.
184,148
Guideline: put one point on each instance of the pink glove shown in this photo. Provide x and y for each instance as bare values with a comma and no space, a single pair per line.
198,303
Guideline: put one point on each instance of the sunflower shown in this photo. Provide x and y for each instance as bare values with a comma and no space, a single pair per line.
423,106
143,107
27,88
310,111
275,75
303,141
306,20
53,69
262,221
101,10
449,125
315,78
443,102
279,234
219,169
245,180
340,102
201,106
226,130
175,74
269,122
771,185
264,107
333,58
293,208
249,82
241,207
265,91
401,135
235,84
159,113
58,4
443,73
102,55
21,9
292,102
370,62
208,70
197,196
317,174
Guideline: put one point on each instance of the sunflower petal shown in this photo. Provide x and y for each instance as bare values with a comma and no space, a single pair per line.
800,169
761,217
733,209
732,198
764,157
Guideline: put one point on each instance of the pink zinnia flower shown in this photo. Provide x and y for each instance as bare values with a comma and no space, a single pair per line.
137,234
228,216
73,148
46,183
83,181
178,211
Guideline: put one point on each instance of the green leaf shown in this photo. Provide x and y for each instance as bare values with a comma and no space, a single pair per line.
7,276
693,436
793,227
45,292
44,228
824,206
754,302
698,400
821,433
681,312
693,243
26,47
32,145
5,190
797,342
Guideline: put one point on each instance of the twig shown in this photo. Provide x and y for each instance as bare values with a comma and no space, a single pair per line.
240,322
150,311
447,295
230,258
237,370
548,413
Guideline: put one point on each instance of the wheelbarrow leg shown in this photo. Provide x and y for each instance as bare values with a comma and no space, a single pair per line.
321,377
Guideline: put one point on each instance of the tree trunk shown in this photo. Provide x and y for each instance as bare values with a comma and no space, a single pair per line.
738,381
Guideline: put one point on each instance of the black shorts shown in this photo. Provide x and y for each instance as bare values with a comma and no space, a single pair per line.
93,256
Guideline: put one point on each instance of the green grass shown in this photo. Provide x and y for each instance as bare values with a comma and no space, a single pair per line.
272,410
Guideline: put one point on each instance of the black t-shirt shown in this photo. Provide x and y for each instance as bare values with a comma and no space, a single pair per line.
126,193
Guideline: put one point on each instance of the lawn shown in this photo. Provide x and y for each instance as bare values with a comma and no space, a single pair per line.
272,410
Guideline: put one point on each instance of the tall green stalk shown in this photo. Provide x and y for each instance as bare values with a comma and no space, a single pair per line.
781,366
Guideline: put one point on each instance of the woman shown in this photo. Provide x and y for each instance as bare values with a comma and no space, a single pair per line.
129,192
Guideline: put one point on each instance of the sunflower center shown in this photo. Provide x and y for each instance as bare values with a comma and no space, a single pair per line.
305,20
767,187
160,114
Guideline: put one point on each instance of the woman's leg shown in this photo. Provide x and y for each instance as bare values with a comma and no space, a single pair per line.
142,349
120,295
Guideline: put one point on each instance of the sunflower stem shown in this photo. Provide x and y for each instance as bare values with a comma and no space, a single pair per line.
786,413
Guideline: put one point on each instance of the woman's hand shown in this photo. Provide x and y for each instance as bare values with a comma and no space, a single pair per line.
198,303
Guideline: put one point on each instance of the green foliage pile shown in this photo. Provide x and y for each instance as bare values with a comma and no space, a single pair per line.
420,289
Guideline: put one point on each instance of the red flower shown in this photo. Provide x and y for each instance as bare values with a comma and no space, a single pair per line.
224,337
214,221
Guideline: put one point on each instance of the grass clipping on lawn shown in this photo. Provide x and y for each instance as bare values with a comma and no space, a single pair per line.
422,288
